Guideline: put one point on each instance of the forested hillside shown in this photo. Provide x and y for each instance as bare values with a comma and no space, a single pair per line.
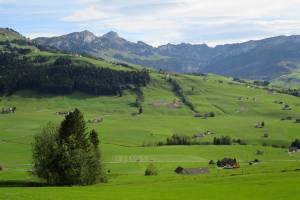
24,66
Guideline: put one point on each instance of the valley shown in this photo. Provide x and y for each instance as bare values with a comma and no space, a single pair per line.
129,138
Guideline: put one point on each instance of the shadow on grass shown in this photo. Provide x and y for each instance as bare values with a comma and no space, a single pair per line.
22,184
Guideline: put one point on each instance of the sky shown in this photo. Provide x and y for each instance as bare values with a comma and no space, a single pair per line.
156,22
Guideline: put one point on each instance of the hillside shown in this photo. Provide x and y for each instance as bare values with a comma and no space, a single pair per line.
25,66
171,104
125,139
266,59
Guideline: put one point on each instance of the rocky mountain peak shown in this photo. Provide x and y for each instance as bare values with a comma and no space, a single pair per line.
111,34
86,36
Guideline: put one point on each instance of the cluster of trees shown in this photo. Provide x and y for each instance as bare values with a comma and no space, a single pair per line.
238,80
261,83
177,139
68,154
64,77
8,47
139,99
179,92
224,140
239,141
296,144
293,92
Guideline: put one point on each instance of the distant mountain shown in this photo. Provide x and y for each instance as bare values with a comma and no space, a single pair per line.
265,59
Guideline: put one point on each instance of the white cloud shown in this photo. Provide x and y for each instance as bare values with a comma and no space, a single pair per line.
179,20
91,13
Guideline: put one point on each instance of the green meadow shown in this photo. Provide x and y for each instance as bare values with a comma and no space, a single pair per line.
127,142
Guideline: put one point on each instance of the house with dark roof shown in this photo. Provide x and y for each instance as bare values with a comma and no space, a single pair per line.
191,171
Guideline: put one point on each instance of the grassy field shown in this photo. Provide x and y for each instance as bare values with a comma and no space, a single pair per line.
237,107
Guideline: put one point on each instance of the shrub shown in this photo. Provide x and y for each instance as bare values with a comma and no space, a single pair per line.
1,168
264,144
259,152
67,154
240,141
140,110
211,162
266,135
151,170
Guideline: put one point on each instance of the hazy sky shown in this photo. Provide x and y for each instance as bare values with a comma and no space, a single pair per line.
156,21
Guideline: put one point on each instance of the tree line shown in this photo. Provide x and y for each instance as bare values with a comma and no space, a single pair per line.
179,139
179,92
64,77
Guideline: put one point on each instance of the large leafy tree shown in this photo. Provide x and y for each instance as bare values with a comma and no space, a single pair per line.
68,155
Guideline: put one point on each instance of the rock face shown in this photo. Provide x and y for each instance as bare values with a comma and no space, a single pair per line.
262,59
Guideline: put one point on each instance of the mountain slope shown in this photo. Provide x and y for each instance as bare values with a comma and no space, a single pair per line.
23,65
129,141
263,59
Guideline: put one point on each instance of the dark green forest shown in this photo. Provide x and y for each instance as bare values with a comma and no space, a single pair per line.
19,72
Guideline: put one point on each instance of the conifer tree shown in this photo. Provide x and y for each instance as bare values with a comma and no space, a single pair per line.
68,155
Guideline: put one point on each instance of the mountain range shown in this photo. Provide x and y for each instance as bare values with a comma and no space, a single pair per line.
273,58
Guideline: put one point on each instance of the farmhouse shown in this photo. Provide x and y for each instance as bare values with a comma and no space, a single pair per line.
201,135
191,171
259,125
62,113
8,110
228,163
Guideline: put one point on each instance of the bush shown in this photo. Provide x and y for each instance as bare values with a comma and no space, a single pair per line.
211,162
151,170
240,141
67,154
140,110
266,135
259,152
1,168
